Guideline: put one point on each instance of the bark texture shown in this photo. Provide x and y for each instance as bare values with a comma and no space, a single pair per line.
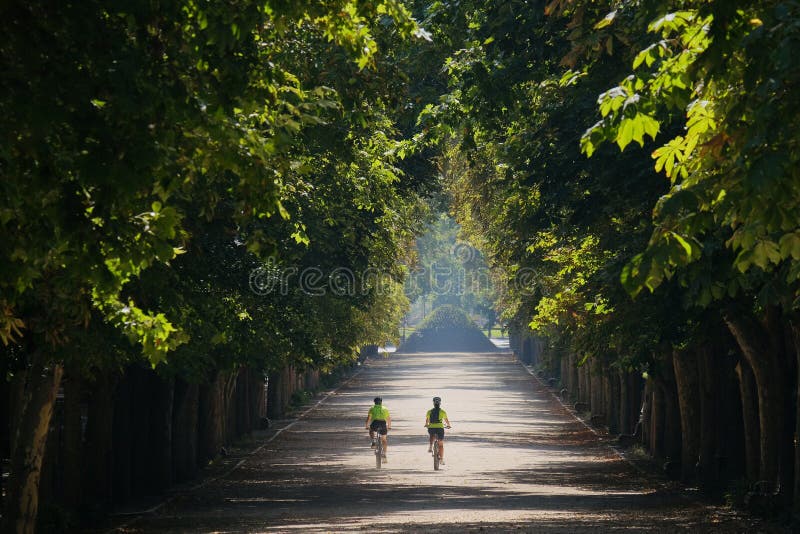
764,360
28,447
687,384
752,439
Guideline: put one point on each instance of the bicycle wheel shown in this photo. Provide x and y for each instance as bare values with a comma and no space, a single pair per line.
436,455
378,452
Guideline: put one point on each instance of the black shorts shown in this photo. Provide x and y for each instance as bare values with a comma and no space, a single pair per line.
436,432
379,427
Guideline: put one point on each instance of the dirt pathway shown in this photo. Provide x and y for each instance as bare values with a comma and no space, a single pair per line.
516,461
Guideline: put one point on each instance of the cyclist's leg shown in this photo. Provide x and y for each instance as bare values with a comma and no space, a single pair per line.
441,443
383,432
431,433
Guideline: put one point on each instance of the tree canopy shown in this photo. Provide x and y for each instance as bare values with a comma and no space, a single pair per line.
193,141
208,185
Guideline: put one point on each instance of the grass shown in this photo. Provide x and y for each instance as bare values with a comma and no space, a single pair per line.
493,333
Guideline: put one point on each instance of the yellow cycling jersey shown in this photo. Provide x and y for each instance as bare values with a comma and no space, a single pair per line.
439,423
379,413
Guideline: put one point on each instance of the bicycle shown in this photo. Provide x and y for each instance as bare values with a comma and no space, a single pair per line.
378,451
436,451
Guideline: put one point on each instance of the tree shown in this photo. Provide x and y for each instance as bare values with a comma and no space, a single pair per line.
118,124
561,231
732,171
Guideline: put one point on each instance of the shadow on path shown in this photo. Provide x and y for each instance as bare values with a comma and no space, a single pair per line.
516,461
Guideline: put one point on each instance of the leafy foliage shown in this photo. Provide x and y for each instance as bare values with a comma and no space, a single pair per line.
448,270
733,167
153,155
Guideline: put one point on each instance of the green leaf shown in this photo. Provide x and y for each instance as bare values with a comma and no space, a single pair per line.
764,253
285,215
607,20
625,133
687,247
650,125
655,276
790,245
743,260
668,155
631,275
646,56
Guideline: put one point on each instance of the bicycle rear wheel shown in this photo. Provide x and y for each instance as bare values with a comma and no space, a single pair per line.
378,452
436,455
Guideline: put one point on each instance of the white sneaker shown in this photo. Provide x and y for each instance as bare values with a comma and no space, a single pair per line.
441,461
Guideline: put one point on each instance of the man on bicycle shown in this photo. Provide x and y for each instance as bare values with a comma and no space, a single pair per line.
435,421
379,420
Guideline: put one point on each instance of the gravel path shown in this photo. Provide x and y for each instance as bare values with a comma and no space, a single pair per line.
516,461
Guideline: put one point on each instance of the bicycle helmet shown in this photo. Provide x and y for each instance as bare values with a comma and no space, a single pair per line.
437,401
378,400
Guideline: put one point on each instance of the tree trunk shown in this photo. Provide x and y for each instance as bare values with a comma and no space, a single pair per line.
752,431
710,373
229,404
668,412
5,427
573,377
795,331
611,400
646,413
257,401
244,411
282,384
672,419
72,441
274,388
161,433
143,401
184,430
122,440
687,384
584,387
210,424
28,447
98,474
657,411
625,424
638,406
596,387
764,360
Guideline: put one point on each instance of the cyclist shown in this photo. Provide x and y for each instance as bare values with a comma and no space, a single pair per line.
379,420
436,421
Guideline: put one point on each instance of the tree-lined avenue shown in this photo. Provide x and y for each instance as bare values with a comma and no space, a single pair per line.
515,459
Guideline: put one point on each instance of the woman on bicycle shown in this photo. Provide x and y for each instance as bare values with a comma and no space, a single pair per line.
379,420
435,421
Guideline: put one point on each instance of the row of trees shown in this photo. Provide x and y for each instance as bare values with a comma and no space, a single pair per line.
447,271
207,187
673,250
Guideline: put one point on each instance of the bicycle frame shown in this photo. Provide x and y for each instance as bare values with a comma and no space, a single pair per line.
378,450
436,453
436,449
